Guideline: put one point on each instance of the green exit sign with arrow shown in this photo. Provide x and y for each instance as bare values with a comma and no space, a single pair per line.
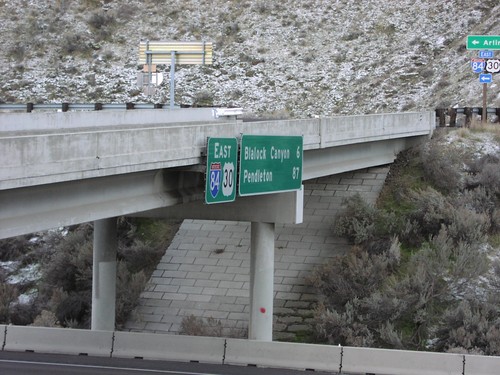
491,42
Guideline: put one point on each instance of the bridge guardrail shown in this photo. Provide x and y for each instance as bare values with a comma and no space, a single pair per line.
66,107
338,359
468,112
70,107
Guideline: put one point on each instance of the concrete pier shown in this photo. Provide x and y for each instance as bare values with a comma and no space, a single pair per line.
104,275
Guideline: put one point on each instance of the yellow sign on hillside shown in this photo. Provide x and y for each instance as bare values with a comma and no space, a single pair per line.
162,52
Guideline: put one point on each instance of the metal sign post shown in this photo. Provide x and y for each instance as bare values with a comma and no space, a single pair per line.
486,44
484,117
172,80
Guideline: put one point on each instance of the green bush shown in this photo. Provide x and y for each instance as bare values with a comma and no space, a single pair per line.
431,211
370,295
129,287
65,289
74,43
485,172
101,24
472,326
356,275
74,310
8,294
438,288
442,166
195,326
361,222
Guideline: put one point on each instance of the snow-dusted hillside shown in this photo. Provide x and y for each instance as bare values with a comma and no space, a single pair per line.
273,58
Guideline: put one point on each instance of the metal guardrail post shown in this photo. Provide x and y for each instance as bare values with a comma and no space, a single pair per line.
452,112
441,115
468,116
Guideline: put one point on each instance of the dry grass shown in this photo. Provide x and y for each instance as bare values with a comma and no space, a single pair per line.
479,126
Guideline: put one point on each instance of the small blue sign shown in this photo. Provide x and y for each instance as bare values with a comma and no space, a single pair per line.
485,78
477,66
486,54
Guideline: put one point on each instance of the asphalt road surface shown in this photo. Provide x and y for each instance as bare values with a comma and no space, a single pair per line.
17,363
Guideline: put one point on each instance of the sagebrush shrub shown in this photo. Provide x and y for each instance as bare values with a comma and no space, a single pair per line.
355,275
478,199
129,287
73,310
138,255
46,319
442,166
195,326
66,286
391,336
361,222
431,211
8,294
485,172
442,292
472,326
342,328
468,226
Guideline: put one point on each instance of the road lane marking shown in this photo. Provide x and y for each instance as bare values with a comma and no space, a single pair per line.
105,367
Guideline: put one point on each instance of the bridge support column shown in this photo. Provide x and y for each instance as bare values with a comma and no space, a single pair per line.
261,282
104,275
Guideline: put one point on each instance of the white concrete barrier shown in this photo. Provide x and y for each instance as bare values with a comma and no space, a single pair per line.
244,352
481,365
281,354
400,362
59,340
169,347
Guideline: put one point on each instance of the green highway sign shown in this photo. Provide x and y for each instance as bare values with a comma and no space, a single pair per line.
270,164
490,42
222,159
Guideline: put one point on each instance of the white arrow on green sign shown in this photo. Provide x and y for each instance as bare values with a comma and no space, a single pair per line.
222,161
483,42
270,164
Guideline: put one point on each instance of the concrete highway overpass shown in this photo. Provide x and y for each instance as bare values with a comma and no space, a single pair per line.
60,169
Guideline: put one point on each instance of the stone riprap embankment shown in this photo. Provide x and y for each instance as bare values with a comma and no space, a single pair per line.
205,270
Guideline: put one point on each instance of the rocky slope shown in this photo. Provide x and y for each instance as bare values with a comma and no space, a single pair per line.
273,58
